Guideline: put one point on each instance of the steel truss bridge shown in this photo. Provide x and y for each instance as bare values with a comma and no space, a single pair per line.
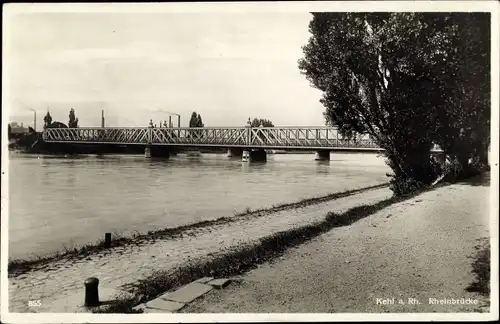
294,138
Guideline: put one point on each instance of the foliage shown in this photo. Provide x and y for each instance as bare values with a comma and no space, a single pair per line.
47,120
258,122
463,123
73,121
57,124
199,121
195,120
394,76
9,132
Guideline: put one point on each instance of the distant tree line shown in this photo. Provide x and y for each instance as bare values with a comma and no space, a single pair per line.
409,80
260,122
49,123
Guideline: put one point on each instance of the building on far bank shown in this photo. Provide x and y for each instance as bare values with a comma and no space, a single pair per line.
16,131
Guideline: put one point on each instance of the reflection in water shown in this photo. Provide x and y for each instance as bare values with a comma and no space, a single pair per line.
56,201
323,167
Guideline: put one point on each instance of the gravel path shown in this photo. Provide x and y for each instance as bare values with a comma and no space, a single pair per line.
120,266
419,248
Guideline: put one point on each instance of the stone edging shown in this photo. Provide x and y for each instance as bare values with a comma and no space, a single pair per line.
172,302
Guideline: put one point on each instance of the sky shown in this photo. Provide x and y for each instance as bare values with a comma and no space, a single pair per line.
225,66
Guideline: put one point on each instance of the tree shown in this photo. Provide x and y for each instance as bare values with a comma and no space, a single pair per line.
195,120
258,122
378,75
47,120
199,121
9,132
57,124
408,80
463,125
73,122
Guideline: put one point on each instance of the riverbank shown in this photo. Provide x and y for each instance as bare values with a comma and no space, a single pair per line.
124,266
17,267
428,249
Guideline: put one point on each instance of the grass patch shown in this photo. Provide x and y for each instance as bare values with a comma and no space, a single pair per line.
20,266
310,201
242,259
481,269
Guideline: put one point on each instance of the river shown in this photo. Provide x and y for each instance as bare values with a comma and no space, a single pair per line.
57,201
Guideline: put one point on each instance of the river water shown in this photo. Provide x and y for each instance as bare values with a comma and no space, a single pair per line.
57,201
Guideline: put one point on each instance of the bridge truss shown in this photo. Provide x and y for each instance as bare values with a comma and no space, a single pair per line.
244,137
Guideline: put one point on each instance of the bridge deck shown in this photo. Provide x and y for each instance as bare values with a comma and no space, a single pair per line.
245,137
296,138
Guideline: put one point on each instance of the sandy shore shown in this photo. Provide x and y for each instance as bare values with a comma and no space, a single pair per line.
420,248
117,268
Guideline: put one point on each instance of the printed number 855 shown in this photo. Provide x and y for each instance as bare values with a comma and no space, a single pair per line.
34,303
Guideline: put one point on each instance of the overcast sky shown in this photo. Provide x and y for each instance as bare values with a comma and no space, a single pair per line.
226,66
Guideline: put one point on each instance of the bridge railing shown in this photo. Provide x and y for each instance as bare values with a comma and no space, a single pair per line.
272,137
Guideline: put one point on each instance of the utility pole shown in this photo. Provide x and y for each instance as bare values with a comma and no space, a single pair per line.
102,118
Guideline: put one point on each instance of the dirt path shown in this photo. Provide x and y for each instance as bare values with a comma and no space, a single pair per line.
419,248
120,266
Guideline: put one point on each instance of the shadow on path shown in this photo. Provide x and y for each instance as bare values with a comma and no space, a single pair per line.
481,269
482,179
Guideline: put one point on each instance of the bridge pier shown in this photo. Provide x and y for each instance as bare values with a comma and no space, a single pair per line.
235,152
322,155
156,152
258,155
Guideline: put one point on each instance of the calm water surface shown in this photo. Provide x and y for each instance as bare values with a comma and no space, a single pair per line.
56,201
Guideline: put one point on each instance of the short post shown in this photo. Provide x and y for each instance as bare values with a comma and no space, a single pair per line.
107,239
92,292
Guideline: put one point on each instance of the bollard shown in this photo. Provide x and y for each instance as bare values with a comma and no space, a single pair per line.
92,292
107,239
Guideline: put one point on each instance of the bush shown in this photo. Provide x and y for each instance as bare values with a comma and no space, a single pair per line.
454,170
479,166
405,186
413,170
